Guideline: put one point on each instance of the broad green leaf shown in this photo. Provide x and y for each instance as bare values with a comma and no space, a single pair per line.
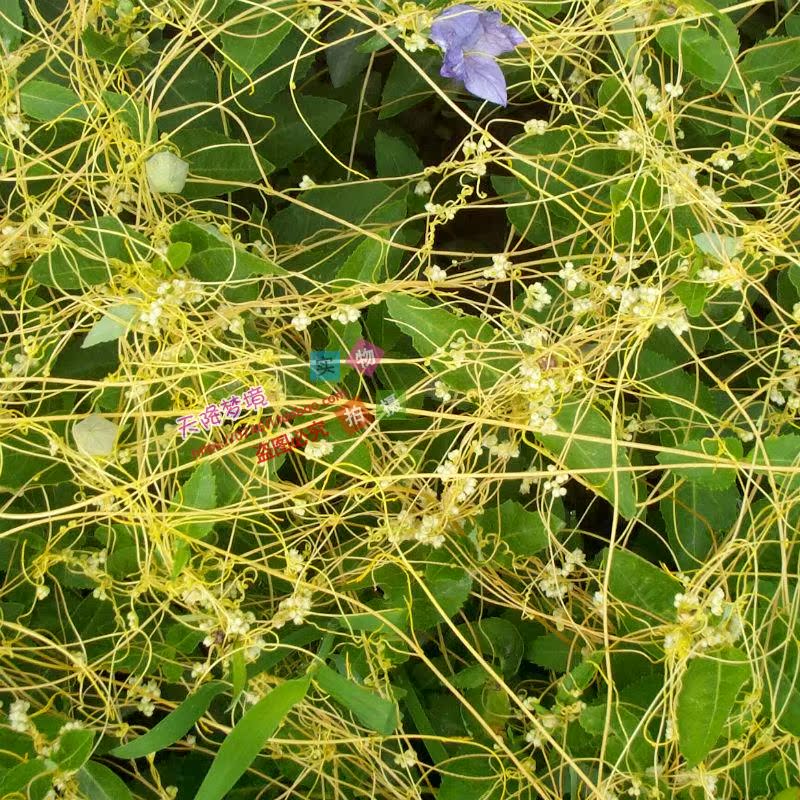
293,133
721,247
406,86
85,254
17,778
373,711
345,60
708,691
496,638
135,114
105,49
11,25
374,622
696,457
45,101
523,532
201,236
395,158
111,326
252,39
198,493
626,739
419,715
782,648
100,783
780,458
74,749
550,651
226,264
365,265
175,725
704,55
642,586
581,454
771,58
238,675
248,737
217,163
178,254
692,515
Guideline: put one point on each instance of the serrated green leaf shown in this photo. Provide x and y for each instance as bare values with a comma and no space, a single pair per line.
373,711
406,86
708,691
647,590
780,457
199,493
45,101
770,58
105,49
249,42
704,55
696,455
593,452
100,783
248,737
524,532
113,324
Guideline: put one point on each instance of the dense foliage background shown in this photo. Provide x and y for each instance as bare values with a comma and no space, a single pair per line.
568,567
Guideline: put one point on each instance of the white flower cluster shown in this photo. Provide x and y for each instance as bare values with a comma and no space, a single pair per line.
499,269
21,366
318,449
654,102
145,695
454,355
644,303
115,197
635,425
301,321
551,720
629,139
554,583
422,187
441,393
306,183
786,392
435,273
408,758
555,485
171,295
448,469
309,19
729,276
535,337
423,527
573,278
294,608
345,314
446,213
18,716
702,624
414,23
13,121
535,126
537,296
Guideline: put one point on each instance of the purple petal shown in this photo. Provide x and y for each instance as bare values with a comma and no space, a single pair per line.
453,64
484,78
495,38
455,26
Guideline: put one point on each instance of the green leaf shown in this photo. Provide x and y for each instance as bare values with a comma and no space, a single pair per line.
720,246
293,133
45,101
373,711
198,493
84,255
174,726
100,783
394,158
580,454
364,265
771,58
626,739
642,585
406,86
248,737
227,264
74,749
249,42
218,164
524,532
692,514
178,254
498,638
705,700
238,675
135,114
105,49
550,651
14,781
720,449
11,25
113,324
705,55
779,453
345,60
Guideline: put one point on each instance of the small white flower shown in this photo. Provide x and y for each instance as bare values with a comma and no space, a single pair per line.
440,391
422,187
408,758
345,314
415,42
537,296
573,278
673,90
42,591
498,270
318,449
301,321
306,182
310,19
436,273
796,313
536,126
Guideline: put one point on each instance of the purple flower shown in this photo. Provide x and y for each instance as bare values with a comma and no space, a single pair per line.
471,39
